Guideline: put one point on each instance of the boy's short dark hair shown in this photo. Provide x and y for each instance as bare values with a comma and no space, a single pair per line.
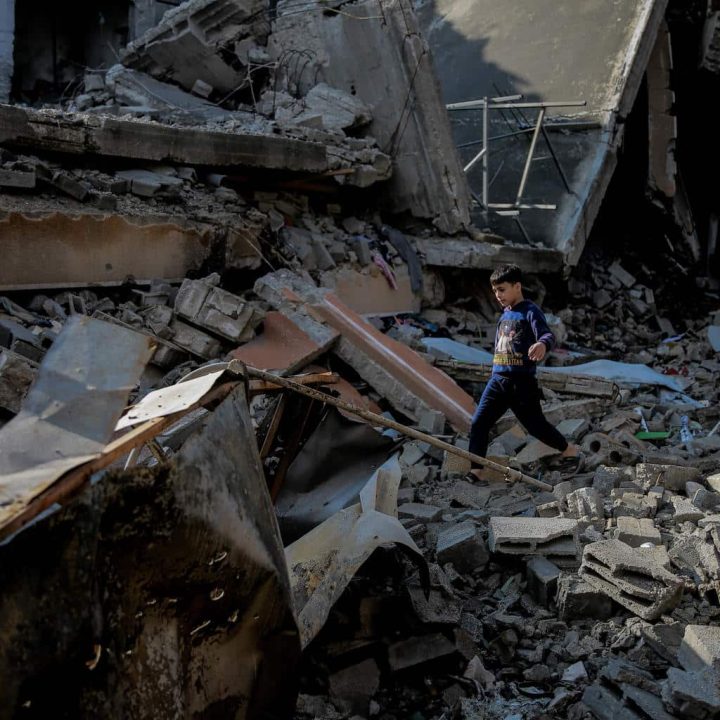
506,273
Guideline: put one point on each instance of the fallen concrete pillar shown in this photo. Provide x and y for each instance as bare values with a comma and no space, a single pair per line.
553,538
632,577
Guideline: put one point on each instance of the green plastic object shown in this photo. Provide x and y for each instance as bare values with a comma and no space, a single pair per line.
659,435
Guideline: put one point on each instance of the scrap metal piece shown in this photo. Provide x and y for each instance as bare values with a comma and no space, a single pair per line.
322,563
177,572
70,412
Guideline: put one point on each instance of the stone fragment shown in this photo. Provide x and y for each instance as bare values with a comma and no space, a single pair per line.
420,511
193,340
671,477
351,689
684,510
16,375
575,673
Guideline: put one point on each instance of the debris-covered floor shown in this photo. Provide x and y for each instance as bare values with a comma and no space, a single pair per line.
244,321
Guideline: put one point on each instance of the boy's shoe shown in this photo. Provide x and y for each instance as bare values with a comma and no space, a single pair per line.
568,465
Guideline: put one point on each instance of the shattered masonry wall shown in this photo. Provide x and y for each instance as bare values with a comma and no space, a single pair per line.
385,61
7,33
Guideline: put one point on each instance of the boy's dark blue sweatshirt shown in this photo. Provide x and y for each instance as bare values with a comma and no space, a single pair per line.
518,328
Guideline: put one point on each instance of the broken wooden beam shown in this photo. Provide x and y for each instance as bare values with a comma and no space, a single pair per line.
559,382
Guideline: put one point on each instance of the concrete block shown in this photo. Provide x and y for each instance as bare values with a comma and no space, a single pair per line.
671,477
601,298
323,258
696,557
632,577
700,648
420,511
469,495
664,639
432,422
606,479
554,538
542,579
577,599
632,504
636,531
463,546
418,650
585,503
194,341
436,607
692,695
684,510
68,184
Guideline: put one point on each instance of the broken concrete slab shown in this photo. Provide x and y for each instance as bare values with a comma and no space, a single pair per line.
632,577
195,341
93,135
427,177
190,43
692,694
84,248
553,538
420,511
352,688
700,648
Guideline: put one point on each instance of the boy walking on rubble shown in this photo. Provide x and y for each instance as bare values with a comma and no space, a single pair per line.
521,341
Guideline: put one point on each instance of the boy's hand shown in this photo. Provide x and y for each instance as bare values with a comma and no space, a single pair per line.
537,351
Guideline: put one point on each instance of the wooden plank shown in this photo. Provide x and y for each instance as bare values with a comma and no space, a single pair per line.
564,383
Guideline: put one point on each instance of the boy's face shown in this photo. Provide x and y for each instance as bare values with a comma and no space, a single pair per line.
508,294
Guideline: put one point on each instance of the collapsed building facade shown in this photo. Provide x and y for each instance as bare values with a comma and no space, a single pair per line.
212,210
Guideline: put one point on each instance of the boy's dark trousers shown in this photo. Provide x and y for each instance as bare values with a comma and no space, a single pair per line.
520,393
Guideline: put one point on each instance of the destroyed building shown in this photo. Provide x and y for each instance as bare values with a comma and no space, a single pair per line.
244,321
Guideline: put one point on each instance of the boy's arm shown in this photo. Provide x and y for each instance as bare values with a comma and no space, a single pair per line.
542,332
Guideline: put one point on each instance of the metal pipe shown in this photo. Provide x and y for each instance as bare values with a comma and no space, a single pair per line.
522,206
531,152
558,127
474,160
476,104
485,159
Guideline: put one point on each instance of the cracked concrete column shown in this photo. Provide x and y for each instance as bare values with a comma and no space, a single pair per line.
7,37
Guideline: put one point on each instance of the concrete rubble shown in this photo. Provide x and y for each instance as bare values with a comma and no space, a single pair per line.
241,184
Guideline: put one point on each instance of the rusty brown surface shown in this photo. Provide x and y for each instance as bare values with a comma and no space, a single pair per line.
431,385
63,250
281,346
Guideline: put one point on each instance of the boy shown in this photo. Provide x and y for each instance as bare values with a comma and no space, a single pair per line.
522,340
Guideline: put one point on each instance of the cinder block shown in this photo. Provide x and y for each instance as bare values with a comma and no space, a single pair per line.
633,577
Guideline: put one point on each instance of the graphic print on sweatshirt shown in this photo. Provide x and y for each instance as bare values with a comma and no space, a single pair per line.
509,343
